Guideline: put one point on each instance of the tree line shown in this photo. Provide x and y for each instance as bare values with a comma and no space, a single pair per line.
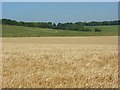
78,26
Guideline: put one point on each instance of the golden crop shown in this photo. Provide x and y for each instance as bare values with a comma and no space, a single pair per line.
66,62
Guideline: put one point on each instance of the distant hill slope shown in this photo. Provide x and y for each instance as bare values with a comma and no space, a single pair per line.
21,31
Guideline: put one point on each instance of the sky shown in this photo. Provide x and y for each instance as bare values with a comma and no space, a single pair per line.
60,11
59,0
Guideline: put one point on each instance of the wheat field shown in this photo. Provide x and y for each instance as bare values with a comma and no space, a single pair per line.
60,62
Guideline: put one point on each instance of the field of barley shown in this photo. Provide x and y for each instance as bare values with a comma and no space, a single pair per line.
0,62
60,62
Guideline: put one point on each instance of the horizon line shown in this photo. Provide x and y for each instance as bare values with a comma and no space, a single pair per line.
60,22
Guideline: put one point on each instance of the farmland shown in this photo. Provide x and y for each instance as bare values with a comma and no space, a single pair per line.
60,62
22,31
59,45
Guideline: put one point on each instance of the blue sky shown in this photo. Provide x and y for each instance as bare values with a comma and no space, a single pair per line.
60,0
60,12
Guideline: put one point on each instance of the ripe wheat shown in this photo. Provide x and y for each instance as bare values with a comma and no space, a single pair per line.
59,65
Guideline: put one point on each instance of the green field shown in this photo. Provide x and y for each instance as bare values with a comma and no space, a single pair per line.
21,31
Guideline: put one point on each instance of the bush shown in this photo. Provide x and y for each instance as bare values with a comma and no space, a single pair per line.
97,30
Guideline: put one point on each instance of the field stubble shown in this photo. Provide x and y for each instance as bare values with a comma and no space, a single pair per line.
45,63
